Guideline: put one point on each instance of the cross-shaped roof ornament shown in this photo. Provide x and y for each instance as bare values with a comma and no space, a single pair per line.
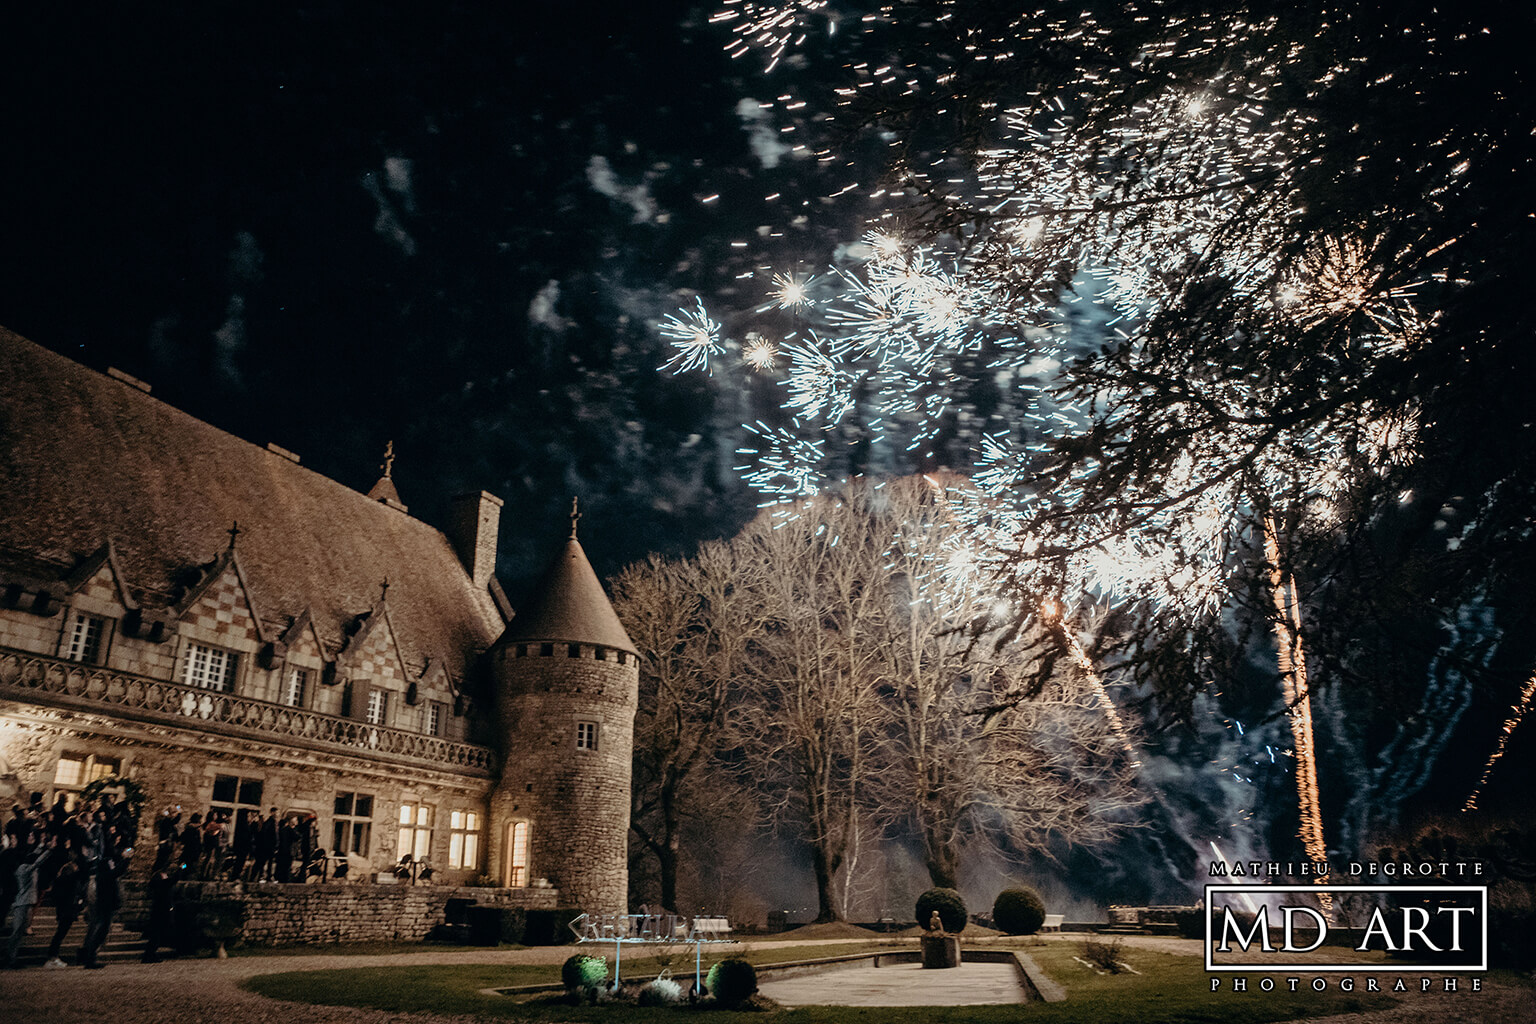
575,516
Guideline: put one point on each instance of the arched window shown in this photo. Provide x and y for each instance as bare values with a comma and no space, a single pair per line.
517,854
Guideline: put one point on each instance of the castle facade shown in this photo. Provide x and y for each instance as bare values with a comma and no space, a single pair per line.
226,630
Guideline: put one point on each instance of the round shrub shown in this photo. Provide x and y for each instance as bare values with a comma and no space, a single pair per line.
950,906
1018,911
661,992
583,971
732,981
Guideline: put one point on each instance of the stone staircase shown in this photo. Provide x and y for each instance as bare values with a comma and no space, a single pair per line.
121,945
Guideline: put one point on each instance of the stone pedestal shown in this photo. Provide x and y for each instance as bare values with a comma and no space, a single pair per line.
941,951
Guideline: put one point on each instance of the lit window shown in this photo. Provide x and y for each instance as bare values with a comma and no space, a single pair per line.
586,735
351,824
463,840
517,854
434,724
294,685
84,642
76,771
415,831
378,703
233,794
209,668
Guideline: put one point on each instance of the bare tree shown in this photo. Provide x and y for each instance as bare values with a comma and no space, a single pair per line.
809,712
1003,742
694,619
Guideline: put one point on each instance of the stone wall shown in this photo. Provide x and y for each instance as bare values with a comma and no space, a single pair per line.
575,799
179,768
313,914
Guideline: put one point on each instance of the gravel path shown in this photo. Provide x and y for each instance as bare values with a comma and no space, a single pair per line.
208,992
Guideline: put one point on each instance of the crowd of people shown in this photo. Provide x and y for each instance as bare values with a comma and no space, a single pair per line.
73,856
75,859
257,848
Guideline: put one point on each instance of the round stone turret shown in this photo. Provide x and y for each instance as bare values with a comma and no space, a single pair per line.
568,686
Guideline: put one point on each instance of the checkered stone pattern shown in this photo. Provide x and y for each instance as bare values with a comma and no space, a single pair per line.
376,659
100,587
306,645
222,611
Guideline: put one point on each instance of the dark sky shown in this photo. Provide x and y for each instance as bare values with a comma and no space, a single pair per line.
453,226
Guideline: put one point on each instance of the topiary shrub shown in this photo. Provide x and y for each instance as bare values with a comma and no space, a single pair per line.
732,981
1018,911
583,972
661,992
951,908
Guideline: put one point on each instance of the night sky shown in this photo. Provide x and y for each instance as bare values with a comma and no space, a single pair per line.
456,227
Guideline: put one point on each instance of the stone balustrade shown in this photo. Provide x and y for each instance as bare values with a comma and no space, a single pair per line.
53,681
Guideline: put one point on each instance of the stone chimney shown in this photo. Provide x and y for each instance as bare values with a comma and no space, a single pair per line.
473,522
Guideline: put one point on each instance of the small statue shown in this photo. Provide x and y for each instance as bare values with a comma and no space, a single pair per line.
935,925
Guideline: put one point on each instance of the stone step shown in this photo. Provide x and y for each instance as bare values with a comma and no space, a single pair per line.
120,945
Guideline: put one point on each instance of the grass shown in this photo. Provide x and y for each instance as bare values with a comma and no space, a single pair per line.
1169,989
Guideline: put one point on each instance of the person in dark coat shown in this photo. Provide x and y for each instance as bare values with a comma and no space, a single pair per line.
240,846
265,846
110,868
287,849
68,896
192,845
162,890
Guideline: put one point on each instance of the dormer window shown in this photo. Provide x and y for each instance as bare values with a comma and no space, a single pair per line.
83,640
378,707
209,668
295,684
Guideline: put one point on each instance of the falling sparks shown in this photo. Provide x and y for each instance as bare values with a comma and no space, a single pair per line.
1298,703
1198,185
1051,611
1510,724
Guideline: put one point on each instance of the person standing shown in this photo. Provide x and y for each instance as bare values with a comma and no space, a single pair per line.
265,846
109,871
68,899
162,889
240,846
25,902
287,849
192,845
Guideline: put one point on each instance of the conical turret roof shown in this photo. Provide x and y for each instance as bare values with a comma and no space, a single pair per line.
569,606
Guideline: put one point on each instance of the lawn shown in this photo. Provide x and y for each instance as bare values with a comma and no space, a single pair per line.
1169,989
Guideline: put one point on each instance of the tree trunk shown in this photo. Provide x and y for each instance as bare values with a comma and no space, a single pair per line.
825,868
943,866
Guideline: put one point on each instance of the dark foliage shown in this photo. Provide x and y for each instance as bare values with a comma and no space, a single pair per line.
1018,911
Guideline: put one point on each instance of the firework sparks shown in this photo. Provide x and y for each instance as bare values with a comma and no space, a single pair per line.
1298,700
1051,611
694,334
789,291
1510,724
759,353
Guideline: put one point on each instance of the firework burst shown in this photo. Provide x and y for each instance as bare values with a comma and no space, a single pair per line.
694,334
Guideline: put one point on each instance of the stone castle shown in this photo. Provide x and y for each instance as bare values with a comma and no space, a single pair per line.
227,630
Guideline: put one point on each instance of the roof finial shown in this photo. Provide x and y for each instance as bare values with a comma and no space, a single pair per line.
575,516
233,531
383,589
389,459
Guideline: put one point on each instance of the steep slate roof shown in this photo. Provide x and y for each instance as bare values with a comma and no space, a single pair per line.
85,458
569,606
